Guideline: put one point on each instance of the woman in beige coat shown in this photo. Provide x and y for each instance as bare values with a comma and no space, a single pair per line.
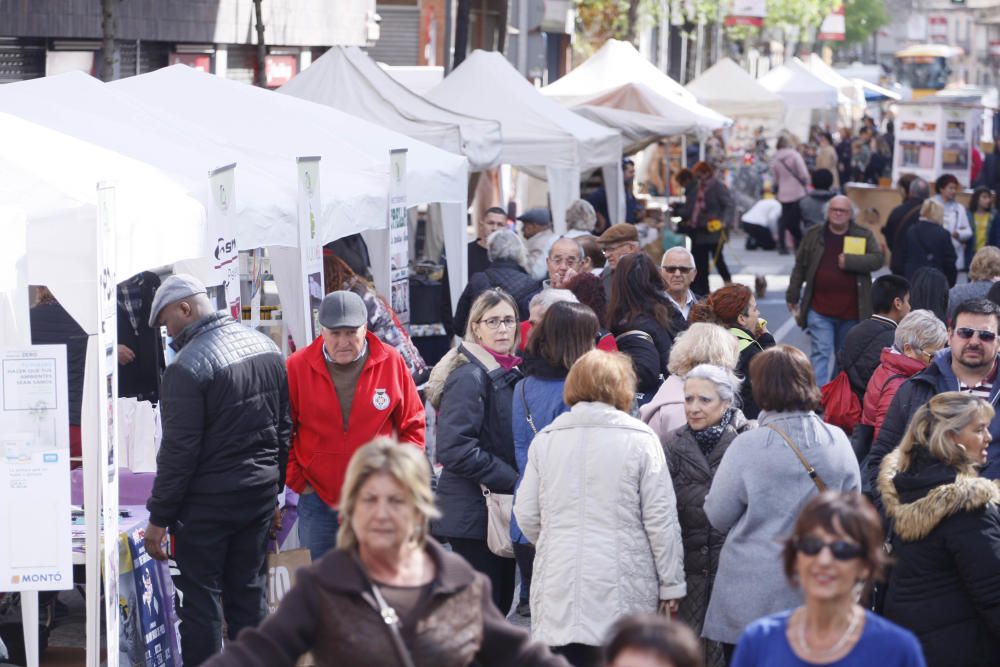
826,158
597,501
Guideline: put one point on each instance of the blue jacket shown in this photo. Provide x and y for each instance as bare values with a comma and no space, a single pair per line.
915,392
544,399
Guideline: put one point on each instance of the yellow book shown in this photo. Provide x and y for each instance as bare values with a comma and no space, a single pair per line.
854,245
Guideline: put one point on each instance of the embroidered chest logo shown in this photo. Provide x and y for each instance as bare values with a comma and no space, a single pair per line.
381,399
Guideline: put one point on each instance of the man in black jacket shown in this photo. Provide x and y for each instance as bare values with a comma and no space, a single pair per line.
865,341
140,346
900,219
226,427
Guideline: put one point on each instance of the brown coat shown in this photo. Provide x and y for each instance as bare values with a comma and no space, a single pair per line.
327,613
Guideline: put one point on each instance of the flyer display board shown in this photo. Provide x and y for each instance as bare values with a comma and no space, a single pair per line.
107,371
399,243
35,541
225,254
310,246
936,139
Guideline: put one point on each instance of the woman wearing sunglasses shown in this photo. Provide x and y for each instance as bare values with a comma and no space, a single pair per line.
834,551
472,387
945,533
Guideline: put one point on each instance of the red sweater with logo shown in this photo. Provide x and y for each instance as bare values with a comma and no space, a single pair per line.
385,403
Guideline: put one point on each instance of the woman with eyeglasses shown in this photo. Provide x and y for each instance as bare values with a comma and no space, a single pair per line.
834,551
945,533
472,387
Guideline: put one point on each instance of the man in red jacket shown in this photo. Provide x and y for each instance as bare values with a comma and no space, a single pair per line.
345,389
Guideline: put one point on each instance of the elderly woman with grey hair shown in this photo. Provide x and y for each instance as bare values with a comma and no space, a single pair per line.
580,219
506,271
693,454
984,271
919,336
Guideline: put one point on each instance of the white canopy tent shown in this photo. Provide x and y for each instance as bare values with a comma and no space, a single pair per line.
538,134
346,79
852,102
638,129
284,125
803,93
728,88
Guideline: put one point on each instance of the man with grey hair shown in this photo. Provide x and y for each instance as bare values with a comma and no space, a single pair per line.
901,218
678,272
506,271
580,219
830,288
536,225
544,300
565,258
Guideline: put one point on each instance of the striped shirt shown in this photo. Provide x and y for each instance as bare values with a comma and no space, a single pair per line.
985,386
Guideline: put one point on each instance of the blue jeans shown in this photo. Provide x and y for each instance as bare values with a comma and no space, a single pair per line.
827,335
318,524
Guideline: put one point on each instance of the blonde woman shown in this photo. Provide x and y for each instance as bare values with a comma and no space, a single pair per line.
472,388
446,617
928,243
945,537
983,272
702,343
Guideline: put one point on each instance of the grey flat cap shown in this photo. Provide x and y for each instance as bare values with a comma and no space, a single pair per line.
343,310
536,216
176,287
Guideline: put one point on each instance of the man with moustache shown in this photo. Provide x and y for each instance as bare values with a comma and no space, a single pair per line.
564,261
969,365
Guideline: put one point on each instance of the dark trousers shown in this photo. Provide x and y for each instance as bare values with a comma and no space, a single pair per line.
524,556
758,236
500,571
222,575
703,254
727,651
790,221
580,655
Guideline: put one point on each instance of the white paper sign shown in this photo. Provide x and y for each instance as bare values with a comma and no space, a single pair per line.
310,246
225,254
35,536
399,245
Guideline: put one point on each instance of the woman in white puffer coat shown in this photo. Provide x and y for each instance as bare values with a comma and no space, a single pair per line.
597,501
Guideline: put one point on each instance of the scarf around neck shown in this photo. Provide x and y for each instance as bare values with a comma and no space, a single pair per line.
708,438
506,361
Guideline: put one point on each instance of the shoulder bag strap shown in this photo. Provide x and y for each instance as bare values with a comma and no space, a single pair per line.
635,332
527,412
391,620
813,475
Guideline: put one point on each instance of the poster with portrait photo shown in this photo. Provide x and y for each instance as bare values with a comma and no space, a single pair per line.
955,155
954,130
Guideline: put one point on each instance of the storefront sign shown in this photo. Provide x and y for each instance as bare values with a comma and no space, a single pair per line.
279,70
35,545
833,27
399,244
198,61
747,12
224,253
310,245
937,28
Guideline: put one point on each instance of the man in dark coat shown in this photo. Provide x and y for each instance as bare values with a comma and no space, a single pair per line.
900,219
226,428
864,343
140,346
968,365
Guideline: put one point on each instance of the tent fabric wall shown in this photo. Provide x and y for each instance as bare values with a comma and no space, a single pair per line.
800,88
538,133
347,79
730,90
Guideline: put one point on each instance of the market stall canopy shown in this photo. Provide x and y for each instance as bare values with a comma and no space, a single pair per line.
615,64
537,132
874,92
728,88
799,88
638,129
851,92
346,79
52,179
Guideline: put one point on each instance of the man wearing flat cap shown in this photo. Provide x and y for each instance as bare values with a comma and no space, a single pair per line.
346,389
536,226
226,426
616,242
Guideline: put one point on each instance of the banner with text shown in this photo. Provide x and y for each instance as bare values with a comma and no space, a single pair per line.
310,245
35,540
399,244
747,12
225,254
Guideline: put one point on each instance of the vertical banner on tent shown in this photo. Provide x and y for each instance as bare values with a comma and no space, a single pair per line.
310,246
255,262
35,547
399,245
225,253
107,367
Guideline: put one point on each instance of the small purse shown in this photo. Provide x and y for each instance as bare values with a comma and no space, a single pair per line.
813,475
499,507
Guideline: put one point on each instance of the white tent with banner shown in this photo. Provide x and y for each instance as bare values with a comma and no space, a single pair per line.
346,79
852,102
539,135
282,125
804,95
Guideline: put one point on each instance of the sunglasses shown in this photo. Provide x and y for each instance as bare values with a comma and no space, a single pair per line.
677,269
966,333
840,549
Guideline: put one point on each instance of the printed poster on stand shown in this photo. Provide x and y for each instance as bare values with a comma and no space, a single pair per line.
35,535
310,246
399,243
145,606
225,253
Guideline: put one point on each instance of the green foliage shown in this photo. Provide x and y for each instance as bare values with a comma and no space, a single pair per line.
862,18
805,15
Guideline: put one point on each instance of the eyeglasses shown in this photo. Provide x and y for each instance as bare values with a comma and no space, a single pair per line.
811,545
568,261
965,333
496,322
677,269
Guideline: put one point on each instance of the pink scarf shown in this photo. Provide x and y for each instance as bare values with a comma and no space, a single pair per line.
506,361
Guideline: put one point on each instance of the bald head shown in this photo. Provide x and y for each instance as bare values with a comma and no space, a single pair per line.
565,257
839,212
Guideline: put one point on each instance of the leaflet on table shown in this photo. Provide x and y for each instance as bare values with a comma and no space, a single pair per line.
35,545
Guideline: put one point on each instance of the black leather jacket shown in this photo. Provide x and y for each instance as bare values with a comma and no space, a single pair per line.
226,425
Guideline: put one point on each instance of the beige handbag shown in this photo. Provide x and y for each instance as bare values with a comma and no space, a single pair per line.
498,510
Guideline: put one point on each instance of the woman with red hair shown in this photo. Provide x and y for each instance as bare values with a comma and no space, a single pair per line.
735,308
711,215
